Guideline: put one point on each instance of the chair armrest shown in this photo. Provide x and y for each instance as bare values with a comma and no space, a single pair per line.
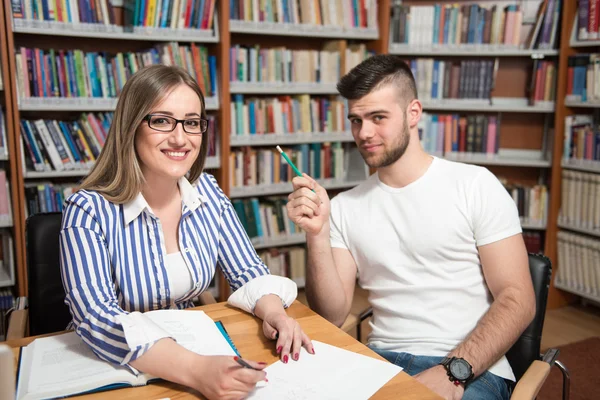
17,324
531,382
206,298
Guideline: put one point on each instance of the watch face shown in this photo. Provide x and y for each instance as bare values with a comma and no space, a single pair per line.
460,369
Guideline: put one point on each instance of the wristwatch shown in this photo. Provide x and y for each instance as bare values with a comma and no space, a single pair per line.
458,369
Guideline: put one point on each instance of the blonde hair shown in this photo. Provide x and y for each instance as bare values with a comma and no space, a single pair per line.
117,174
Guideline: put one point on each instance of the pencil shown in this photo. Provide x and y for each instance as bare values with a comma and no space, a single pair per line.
244,364
296,170
289,161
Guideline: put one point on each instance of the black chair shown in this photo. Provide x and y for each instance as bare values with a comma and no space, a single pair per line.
526,350
47,310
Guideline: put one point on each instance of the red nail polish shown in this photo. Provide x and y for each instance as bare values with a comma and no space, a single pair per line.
296,356
285,359
313,351
279,349
262,363
266,380
235,358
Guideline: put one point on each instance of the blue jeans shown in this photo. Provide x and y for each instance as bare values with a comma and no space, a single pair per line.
486,386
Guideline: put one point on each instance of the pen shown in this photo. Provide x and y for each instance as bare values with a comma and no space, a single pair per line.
291,164
244,364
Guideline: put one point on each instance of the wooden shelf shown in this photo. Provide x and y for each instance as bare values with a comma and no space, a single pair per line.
304,30
211,163
533,226
587,231
585,43
282,88
469,51
285,188
280,241
582,165
496,104
274,139
576,291
505,157
582,104
115,32
87,104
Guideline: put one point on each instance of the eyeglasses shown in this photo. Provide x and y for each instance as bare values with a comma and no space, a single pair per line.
162,123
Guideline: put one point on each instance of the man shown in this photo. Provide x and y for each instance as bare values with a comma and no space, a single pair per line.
437,244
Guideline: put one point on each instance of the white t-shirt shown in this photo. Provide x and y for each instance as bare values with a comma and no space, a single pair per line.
416,252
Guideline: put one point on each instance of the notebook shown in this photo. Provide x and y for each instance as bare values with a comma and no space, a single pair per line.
63,365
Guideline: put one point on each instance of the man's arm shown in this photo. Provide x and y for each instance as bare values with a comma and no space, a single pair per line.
506,270
330,278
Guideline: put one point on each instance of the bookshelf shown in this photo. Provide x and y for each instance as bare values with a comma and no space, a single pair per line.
530,132
137,44
9,227
569,235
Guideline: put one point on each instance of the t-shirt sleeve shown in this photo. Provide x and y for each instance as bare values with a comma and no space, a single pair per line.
336,235
494,213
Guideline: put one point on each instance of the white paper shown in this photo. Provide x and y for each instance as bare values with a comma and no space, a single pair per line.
331,373
193,330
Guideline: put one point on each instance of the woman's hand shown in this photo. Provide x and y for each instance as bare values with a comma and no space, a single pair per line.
289,335
221,377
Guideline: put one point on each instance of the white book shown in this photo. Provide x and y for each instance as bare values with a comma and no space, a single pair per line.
63,365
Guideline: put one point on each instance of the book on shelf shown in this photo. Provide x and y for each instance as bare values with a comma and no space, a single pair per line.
192,14
456,133
587,20
263,167
580,200
583,78
581,138
533,242
97,12
542,87
288,114
441,79
265,218
51,145
473,25
252,64
6,217
326,13
3,141
6,304
531,201
44,197
63,365
75,73
289,262
578,257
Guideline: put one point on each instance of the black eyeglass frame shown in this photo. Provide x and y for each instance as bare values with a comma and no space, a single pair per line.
148,117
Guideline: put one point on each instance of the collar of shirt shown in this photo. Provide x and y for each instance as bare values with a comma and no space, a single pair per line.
190,197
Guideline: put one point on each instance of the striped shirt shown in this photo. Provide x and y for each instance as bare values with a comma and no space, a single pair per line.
113,260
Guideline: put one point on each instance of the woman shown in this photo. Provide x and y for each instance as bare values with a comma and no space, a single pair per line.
139,236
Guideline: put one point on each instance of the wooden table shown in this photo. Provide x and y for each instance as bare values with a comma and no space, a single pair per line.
246,332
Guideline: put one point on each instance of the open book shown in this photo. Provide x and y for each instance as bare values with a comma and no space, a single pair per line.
63,365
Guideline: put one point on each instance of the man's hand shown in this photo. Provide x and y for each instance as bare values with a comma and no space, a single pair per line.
307,209
437,380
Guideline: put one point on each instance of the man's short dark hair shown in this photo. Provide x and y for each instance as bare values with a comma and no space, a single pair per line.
375,72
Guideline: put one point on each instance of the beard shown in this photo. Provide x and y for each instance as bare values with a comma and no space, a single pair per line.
390,155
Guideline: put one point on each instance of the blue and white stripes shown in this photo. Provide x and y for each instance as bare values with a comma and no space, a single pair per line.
112,261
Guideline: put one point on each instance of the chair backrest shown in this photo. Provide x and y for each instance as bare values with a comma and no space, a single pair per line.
47,310
527,348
